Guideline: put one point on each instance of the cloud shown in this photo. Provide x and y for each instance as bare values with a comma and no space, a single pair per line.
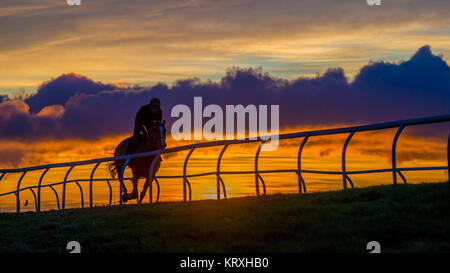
11,156
13,107
168,40
73,106
325,152
17,122
419,86
420,155
3,98
378,152
405,155
58,91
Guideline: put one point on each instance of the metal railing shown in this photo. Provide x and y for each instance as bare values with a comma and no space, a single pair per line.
187,191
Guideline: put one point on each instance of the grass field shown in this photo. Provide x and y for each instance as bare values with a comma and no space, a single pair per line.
403,218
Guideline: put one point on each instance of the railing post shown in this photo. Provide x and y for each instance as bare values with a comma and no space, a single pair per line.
402,176
122,171
256,167
81,193
90,184
219,159
39,189
150,177
35,200
63,201
2,175
157,189
56,195
394,147
223,188
110,192
185,180
301,181
344,151
18,192
448,156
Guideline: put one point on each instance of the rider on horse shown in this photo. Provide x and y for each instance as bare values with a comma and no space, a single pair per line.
145,116
149,134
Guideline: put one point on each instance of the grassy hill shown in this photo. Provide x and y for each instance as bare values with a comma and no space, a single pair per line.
403,218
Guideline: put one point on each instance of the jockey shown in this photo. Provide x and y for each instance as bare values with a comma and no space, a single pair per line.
146,114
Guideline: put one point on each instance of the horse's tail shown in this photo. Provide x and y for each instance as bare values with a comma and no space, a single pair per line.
116,166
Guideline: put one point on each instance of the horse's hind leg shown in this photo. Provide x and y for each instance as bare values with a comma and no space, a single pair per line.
134,192
135,181
125,195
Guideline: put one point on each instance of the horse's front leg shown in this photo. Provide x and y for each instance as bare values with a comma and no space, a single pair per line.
148,181
125,190
144,191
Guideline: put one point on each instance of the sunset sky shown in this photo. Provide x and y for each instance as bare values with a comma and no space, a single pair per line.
146,42
72,78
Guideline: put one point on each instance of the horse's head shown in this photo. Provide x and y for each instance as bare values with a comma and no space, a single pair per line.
156,135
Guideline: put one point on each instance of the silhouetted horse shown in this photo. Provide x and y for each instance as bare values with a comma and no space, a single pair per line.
153,140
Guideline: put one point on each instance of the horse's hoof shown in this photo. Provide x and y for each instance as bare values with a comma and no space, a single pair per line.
125,198
133,195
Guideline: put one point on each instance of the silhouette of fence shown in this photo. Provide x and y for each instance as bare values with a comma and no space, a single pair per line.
187,192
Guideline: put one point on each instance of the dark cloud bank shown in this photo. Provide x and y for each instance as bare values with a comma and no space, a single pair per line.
73,106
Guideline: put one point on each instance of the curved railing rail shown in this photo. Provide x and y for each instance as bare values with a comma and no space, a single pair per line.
187,192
